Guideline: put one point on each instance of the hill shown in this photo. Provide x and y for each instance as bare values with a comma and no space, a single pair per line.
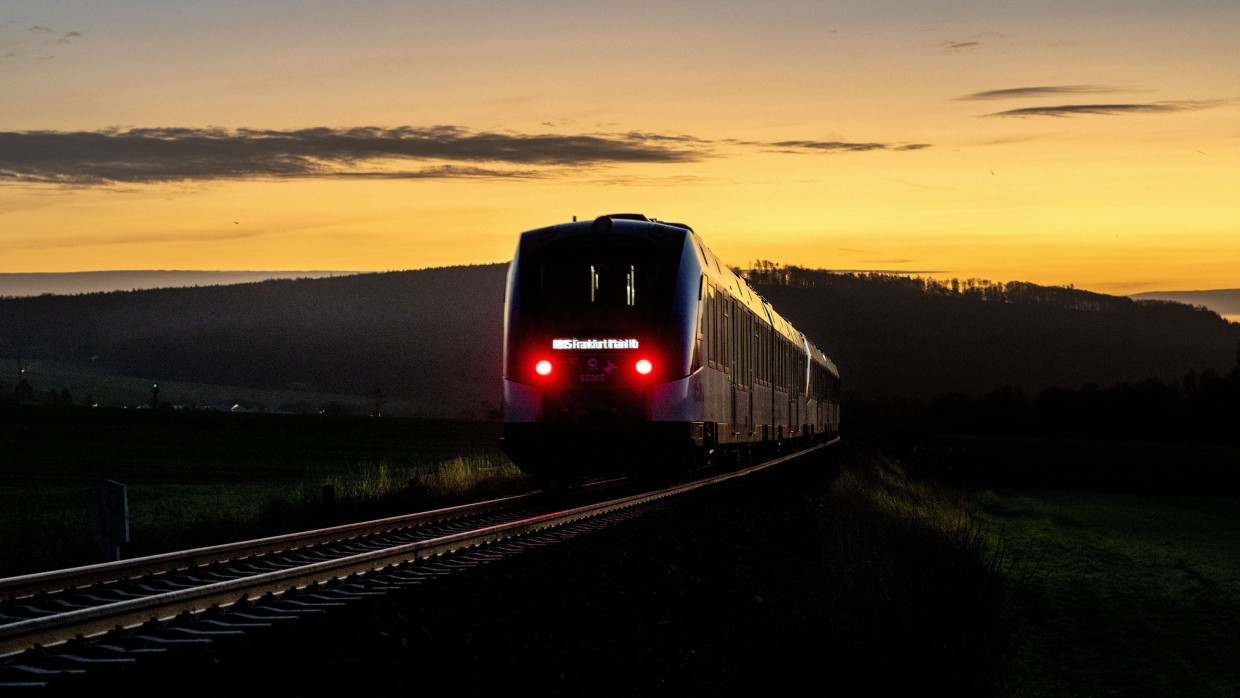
430,340
66,283
1224,301
920,339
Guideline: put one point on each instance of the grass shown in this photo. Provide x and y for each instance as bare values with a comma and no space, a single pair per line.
107,389
921,597
1132,594
200,478
915,585
1052,592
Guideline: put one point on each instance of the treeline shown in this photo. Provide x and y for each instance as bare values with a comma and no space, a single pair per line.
1197,407
767,273
1151,437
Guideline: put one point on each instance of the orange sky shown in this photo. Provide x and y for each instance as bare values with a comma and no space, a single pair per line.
1048,142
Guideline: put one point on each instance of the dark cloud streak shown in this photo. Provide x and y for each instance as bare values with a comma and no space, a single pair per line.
840,146
156,155
1107,109
150,155
1025,92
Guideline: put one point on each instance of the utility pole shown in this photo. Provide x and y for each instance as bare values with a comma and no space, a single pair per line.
22,390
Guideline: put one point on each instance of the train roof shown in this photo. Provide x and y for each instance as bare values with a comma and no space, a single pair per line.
735,284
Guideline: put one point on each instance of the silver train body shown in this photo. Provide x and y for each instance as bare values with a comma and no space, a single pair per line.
628,346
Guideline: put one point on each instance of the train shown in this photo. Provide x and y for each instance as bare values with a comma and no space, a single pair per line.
629,347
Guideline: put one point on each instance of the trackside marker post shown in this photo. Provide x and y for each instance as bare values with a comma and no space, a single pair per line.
109,518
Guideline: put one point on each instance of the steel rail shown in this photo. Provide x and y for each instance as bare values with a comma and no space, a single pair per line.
21,635
74,577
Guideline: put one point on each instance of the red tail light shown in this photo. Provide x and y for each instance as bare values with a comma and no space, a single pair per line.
643,366
543,368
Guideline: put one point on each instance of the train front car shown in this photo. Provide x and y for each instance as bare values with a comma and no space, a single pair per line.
600,321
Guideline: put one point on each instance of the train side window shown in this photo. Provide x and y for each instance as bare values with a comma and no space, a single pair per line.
718,334
712,325
748,338
777,362
738,340
766,353
785,365
785,361
774,359
762,373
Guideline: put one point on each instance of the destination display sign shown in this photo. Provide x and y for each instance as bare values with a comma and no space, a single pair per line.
594,344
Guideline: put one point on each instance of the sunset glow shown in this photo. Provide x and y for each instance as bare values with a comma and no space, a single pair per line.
1092,144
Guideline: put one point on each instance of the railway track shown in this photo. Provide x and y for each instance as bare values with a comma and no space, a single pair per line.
59,625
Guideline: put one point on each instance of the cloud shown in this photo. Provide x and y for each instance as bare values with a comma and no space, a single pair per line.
154,155
1024,92
149,155
1108,109
841,146
40,36
961,45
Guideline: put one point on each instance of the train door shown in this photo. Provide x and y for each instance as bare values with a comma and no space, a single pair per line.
730,324
744,378
794,391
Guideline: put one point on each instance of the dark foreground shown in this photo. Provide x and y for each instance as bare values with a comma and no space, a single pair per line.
724,593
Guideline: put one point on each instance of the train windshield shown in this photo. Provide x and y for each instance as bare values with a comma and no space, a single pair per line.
583,285
614,285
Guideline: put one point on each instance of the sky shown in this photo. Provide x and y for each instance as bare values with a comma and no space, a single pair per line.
1085,143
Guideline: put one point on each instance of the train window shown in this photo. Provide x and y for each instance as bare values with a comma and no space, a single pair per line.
759,350
609,284
716,326
572,288
708,325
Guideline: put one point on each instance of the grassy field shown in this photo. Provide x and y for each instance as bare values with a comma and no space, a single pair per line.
88,384
1030,592
1128,594
196,478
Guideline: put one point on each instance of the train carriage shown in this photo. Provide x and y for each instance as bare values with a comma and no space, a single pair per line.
628,345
